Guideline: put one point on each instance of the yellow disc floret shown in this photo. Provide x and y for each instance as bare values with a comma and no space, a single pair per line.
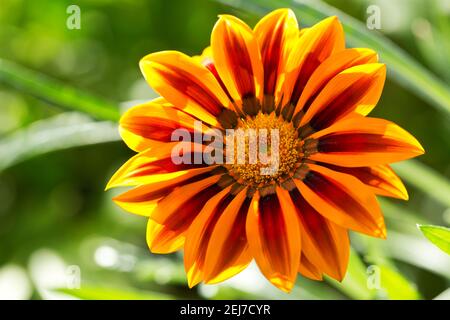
288,154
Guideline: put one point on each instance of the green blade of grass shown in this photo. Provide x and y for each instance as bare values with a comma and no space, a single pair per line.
100,293
438,235
424,179
395,286
402,68
60,132
386,280
55,92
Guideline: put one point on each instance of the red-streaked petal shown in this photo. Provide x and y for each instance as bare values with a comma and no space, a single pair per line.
238,61
359,141
312,48
356,89
186,84
186,196
228,252
324,243
165,239
152,123
328,69
275,33
342,199
274,237
307,269
198,236
142,200
175,213
381,179
206,59
155,165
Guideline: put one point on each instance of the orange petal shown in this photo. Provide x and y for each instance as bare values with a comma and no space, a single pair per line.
227,253
307,269
328,69
206,59
186,84
356,89
324,243
312,48
274,237
198,236
238,61
184,197
342,199
275,33
152,123
175,213
155,165
142,200
360,142
381,179
164,239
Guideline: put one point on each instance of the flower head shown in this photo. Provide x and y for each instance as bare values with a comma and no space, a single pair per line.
332,159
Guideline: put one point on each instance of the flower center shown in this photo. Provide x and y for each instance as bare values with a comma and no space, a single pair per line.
271,149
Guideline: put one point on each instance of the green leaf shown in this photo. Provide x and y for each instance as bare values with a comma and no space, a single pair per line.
395,285
391,284
424,179
361,282
438,235
55,92
403,69
101,293
60,132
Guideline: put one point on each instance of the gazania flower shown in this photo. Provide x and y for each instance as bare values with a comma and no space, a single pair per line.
334,159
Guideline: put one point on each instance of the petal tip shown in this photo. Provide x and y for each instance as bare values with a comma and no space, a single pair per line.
403,193
193,275
420,148
332,20
283,12
339,275
111,184
231,22
146,60
157,248
383,233
224,18
190,284
282,283
192,281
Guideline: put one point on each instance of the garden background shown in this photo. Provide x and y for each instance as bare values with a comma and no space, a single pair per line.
62,91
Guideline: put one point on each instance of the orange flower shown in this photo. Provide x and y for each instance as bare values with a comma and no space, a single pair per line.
334,159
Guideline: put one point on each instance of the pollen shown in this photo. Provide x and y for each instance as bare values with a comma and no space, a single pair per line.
279,162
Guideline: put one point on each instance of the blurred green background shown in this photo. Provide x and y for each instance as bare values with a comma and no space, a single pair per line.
60,234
